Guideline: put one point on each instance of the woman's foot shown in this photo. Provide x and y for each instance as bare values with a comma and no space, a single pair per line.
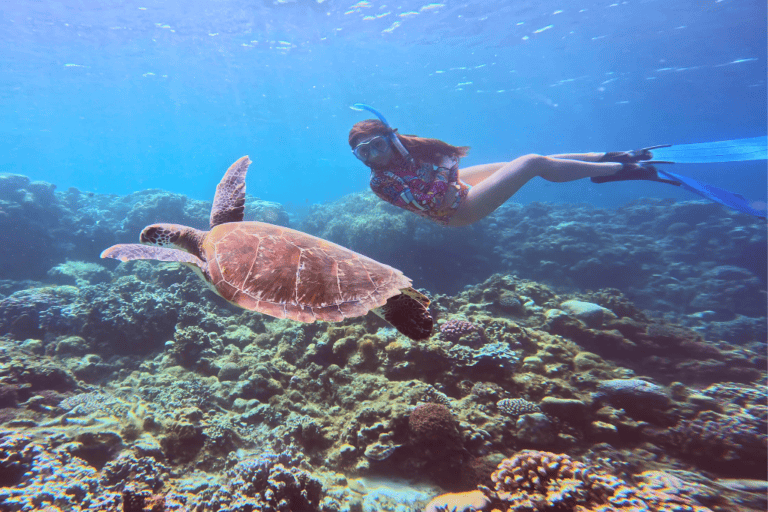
632,172
634,156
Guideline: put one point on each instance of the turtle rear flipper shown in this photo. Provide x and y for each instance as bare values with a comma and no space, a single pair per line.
409,314
127,252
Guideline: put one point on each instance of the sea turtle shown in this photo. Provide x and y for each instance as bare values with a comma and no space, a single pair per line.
279,271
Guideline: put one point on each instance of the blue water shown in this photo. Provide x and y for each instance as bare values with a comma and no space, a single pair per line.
114,97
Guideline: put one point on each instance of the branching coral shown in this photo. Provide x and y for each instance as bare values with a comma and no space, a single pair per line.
146,471
734,437
97,413
52,478
549,482
431,395
275,486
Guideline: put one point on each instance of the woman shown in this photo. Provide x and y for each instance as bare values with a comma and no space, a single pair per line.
423,176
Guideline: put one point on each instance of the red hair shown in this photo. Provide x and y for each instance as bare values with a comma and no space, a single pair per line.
420,148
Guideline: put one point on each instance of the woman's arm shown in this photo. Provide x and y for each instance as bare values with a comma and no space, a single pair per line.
433,195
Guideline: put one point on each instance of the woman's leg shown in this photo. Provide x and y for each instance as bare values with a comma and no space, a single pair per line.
493,191
584,157
477,173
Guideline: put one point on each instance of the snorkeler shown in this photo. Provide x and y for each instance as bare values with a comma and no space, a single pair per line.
423,176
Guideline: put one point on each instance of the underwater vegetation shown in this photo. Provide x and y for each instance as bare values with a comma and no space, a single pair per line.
546,384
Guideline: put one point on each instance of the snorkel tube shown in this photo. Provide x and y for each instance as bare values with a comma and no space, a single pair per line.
392,135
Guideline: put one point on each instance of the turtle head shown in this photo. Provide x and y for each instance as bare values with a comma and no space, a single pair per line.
161,235
175,236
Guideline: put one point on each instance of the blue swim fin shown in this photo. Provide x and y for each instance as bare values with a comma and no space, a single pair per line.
739,150
638,165
717,194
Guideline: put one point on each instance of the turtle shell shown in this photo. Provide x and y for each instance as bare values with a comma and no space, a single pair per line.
288,274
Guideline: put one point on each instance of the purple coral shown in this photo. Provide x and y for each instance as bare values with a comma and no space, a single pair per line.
462,331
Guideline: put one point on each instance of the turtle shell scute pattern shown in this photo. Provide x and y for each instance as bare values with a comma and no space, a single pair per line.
288,274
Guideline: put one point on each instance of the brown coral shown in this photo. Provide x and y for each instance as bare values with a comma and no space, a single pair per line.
433,424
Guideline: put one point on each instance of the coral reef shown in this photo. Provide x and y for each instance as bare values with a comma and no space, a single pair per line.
714,268
517,406
728,432
45,227
550,482
79,273
716,264
433,424
40,312
266,478
136,388
51,478
632,394
461,331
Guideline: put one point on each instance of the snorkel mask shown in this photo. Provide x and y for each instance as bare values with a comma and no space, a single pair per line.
391,132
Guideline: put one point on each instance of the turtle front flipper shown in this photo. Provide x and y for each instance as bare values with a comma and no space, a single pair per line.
229,201
408,313
127,252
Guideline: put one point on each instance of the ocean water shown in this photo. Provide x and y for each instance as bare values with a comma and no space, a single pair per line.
114,97
608,339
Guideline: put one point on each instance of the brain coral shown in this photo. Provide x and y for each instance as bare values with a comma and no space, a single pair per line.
509,301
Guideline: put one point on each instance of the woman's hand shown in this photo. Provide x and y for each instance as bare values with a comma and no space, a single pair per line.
451,193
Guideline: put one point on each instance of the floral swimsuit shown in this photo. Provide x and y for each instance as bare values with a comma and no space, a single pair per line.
421,188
